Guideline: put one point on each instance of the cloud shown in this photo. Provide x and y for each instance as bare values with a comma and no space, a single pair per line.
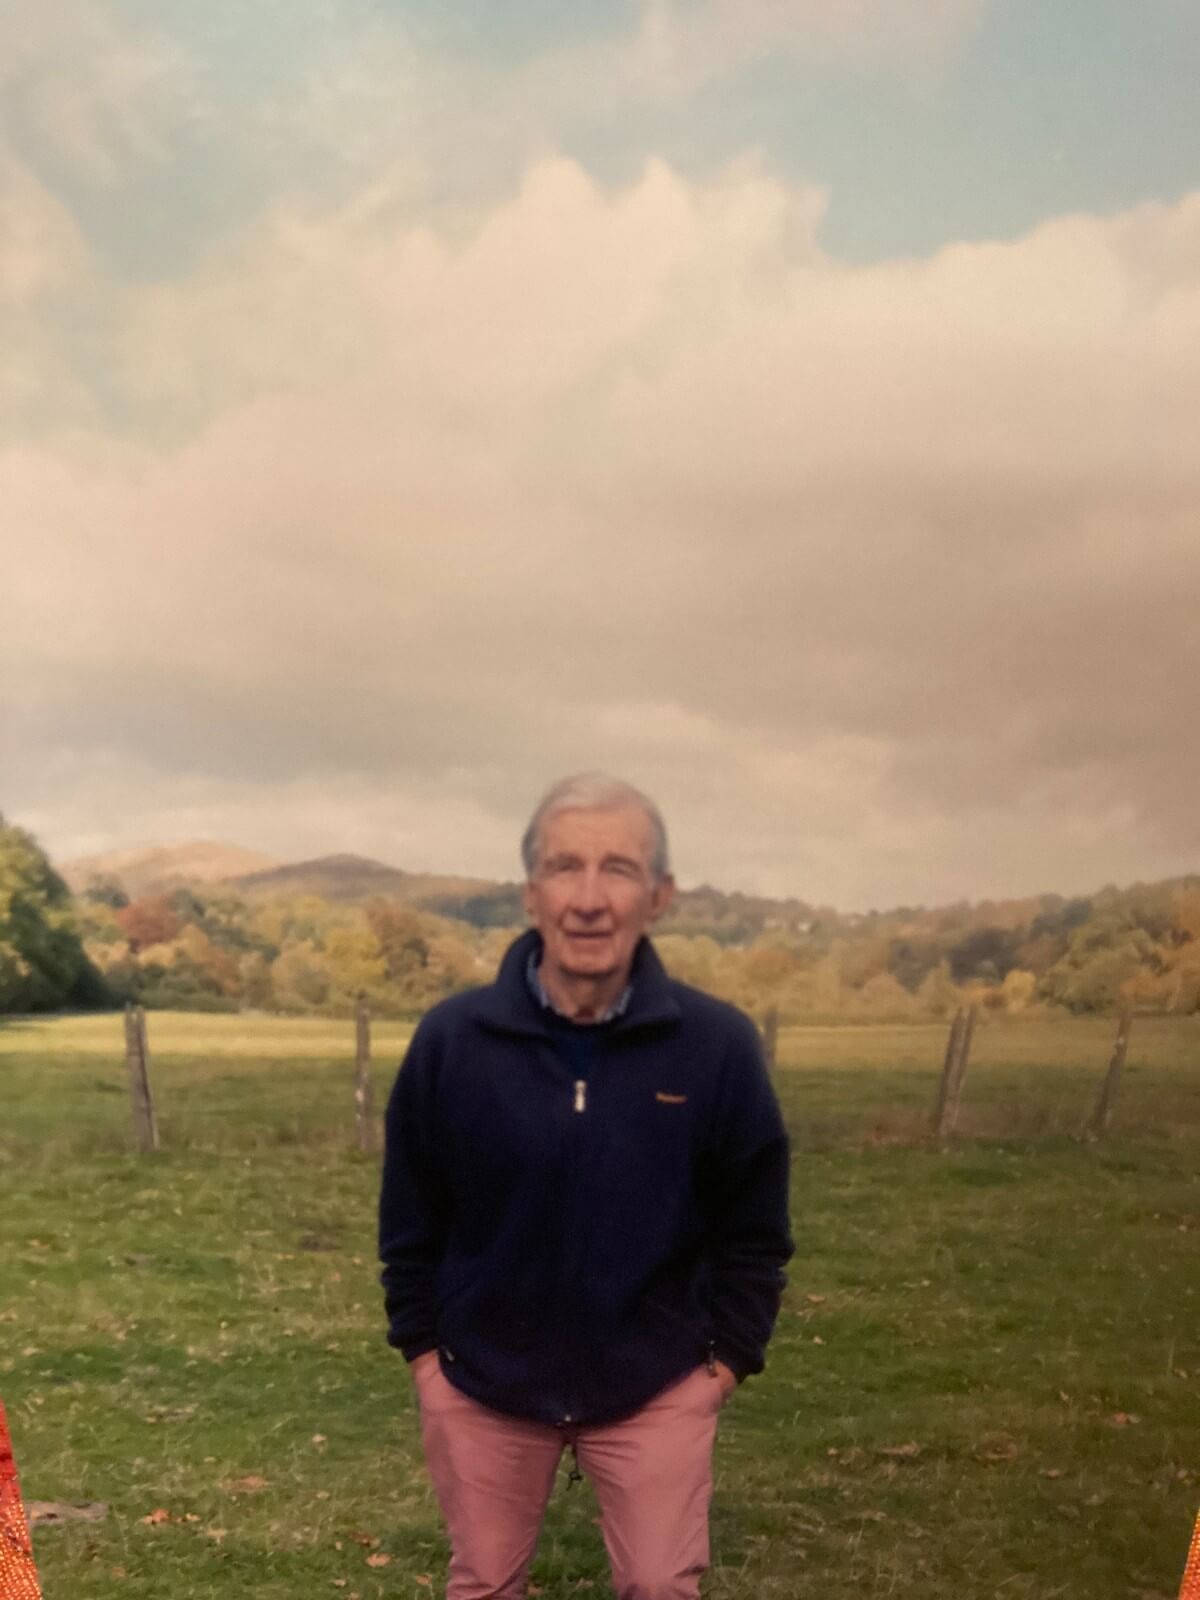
883,578
40,245
93,96
684,43
447,125
678,47
43,261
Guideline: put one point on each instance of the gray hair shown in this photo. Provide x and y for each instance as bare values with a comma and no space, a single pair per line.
596,791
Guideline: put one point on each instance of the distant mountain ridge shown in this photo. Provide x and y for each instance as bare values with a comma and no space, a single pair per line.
159,868
163,925
347,878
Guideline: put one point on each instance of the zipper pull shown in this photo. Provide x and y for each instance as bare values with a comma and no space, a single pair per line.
580,1094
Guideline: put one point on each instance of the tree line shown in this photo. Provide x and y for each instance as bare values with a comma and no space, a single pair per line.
207,947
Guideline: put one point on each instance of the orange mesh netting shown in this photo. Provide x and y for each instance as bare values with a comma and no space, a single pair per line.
1191,1573
18,1575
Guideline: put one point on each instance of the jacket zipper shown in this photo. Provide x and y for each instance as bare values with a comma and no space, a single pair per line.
568,1417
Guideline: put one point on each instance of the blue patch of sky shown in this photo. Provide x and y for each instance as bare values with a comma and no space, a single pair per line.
227,165
1051,106
266,36
507,32
165,210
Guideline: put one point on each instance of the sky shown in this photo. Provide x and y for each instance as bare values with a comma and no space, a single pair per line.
789,405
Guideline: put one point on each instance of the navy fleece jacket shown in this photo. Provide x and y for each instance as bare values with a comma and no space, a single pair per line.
572,1247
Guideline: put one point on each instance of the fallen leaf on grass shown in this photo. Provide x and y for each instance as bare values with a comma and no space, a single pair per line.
216,1534
250,1484
815,1299
47,1513
339,1583
170,1414
379,1560
1051,1472
817,1339
318,1438
159,1515
998,1447
1123,1419
902,1452
365,1539
426,1581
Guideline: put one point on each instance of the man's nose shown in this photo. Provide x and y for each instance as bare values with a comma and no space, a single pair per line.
589,899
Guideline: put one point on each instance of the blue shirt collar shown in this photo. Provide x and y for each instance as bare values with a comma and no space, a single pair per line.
538,990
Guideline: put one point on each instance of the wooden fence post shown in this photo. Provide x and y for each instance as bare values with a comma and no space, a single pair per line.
954,1070
965,1041
1098,1123
770,1034
137,1063
942,1104
364,1115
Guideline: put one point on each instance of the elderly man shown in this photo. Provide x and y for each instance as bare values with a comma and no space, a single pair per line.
583,1221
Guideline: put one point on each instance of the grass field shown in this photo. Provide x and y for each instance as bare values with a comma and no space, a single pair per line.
986,1379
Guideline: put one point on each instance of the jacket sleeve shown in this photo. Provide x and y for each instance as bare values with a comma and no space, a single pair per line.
745,1197
413,1204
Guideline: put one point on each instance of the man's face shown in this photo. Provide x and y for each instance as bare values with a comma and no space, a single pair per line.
592,894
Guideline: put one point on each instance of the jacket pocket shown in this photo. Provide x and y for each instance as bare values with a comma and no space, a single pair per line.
692,1326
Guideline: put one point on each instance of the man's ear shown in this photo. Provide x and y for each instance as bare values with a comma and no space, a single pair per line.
527,899
661,896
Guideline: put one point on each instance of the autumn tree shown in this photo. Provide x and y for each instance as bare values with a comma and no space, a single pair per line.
43,964
300,978
148,920
1102,956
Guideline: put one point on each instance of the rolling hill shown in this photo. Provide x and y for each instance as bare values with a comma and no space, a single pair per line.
158,868
346,878
351,877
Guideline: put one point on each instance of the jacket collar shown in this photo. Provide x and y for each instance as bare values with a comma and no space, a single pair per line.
508,1005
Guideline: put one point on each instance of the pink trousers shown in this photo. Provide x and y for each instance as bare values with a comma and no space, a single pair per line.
652,1475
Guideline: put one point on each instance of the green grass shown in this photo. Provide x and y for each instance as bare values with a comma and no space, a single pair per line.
947,1409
